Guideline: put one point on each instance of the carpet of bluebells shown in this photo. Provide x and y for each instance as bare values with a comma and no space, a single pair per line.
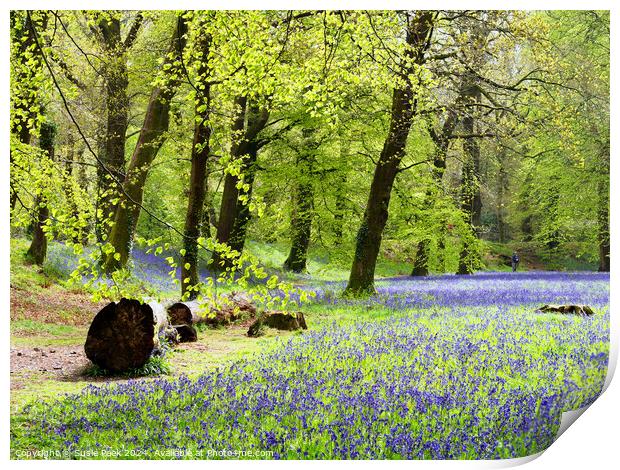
456,368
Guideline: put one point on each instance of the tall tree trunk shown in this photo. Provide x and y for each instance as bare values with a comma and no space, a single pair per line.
361,279
502,186
603,229
420,263
240,226
116,81
442,143
341,201
301,218
441,247
149,142
230,195
552,235
116,104
209,218
234,214
38,247
603,213
341,209
198,179
470,186
68,180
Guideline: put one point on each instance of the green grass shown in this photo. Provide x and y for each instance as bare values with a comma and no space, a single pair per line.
323,263
33,327
30,334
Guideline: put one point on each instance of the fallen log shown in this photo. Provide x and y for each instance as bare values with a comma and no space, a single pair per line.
225,311
582,310
181,319
123,335
287,321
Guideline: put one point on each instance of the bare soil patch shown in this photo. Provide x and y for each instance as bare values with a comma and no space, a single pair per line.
59,362
53,306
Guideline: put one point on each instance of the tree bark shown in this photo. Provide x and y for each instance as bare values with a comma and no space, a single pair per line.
442,144
603,213
198,180
341,209
79,231
470,187
502,187
227,309
230,194
124,335
116,80
234,213
240,226
361,279
603,227
341,201
38,247
149,142
301,217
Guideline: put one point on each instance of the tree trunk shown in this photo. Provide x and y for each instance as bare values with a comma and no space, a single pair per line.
227,309
470,187
466,266
124,335
198,180
38,248
79,232
442,144
341,201
603,219
361,279
441,247
116,80
341,209
149,142
501,190
301,218
239,231
234,213
209,218
420,263
230,195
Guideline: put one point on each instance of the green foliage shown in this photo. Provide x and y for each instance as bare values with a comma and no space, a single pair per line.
326,79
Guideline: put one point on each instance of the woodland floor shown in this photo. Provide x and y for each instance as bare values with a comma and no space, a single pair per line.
49,323
48,328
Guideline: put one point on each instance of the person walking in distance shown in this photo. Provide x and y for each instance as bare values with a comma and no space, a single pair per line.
515,261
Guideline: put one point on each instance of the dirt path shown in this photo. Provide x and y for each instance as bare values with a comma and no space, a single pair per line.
62,362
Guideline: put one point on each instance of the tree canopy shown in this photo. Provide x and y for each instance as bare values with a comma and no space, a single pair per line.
426,133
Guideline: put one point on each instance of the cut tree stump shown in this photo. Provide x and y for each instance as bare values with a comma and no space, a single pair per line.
287,321
123,335
581,310
180,318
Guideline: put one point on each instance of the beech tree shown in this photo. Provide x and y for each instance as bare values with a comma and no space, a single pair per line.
418,35
152,135
199,161
262,141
